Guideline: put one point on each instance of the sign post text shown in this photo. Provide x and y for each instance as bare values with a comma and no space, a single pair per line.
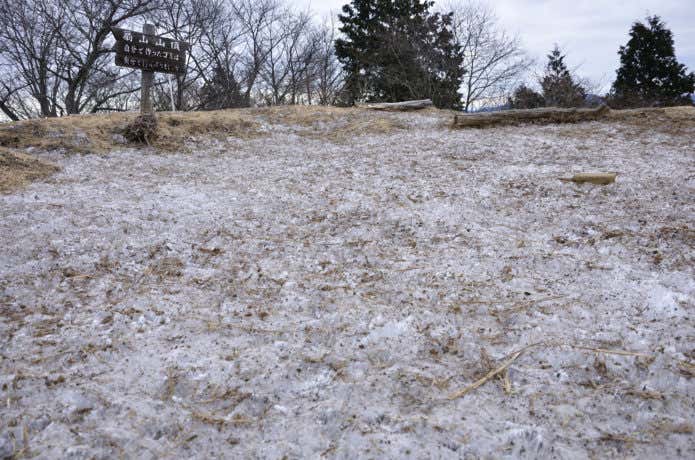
149,53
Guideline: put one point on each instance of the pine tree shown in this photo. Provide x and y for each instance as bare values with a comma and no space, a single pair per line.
396,50
649,74
559,88
221,91
526,98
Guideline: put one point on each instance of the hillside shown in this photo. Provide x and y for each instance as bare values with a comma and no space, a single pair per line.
307,282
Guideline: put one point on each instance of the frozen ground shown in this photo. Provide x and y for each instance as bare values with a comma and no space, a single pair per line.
291,297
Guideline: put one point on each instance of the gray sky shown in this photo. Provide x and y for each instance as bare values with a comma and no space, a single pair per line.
589,31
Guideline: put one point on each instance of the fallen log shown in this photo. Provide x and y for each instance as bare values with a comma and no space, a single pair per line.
537,116
591,178
398,106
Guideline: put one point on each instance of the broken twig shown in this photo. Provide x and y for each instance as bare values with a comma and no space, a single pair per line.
490,375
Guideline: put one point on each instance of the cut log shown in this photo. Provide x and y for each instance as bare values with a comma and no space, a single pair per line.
399,106
538,116
592,178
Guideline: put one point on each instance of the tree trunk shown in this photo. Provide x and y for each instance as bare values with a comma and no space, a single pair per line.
592,178
540,116
399,106
70,103
9,112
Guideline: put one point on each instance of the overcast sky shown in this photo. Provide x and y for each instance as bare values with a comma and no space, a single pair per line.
589,31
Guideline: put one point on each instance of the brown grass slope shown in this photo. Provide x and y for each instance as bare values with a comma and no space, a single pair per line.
103,132
18,169
552,115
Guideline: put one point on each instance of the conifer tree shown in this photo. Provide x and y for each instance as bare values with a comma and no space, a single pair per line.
396,50
649,74
526,98
559,88
221,92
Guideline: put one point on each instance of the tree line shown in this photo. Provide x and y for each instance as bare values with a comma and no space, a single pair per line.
56,57
649,75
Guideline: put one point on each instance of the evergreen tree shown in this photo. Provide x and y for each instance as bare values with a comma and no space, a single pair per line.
559,88
222,91
649,73
396,50
526,98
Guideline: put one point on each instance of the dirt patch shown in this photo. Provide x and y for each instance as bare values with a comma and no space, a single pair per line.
18,169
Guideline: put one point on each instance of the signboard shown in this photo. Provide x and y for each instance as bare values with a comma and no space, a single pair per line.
149,53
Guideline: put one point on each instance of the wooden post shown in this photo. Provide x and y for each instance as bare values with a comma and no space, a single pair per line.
147,78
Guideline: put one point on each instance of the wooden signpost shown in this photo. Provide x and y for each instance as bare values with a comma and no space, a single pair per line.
149,53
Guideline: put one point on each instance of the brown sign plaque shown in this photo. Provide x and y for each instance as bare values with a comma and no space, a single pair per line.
149,53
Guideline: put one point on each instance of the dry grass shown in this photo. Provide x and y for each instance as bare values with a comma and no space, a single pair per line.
305,116
677,122
334,124
679,114
361,127
101,133
18,169
674,121
175,128
80,134
492,374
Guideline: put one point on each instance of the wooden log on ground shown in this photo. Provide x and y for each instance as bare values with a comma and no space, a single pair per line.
591,178
399,106
538,116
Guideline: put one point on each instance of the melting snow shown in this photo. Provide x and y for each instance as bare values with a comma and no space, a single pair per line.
291,297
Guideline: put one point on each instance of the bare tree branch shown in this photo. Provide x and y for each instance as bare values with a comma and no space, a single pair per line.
493,60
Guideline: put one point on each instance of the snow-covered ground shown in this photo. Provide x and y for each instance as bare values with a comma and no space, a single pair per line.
288,296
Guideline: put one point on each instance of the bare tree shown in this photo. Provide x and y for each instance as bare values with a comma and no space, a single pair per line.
84,65
275,67
292,48
249,49
8,94
264,49
493,60
56,56
327,72
302,51
254,16
29,56
198,23
219,59
82,34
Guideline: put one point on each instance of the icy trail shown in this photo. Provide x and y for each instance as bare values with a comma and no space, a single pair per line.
291,297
